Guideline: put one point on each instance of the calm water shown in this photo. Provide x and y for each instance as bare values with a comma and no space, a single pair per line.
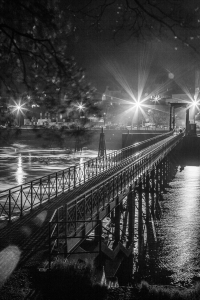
176,257
179,227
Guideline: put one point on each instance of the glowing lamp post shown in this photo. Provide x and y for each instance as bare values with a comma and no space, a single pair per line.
195,104
80,107
18,108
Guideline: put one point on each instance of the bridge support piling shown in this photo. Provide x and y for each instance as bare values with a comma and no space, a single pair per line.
161,169
131,210
147,197
117,224
152,193
157,184
140,221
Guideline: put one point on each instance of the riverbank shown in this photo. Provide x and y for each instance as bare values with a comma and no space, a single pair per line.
27,283
50,138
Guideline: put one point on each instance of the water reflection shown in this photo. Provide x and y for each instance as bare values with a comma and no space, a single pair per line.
20,174
20,163
179,248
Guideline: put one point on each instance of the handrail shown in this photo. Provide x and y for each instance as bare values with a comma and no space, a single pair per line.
91,204
25,197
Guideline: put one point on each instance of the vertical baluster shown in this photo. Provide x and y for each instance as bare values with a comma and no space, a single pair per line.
31,195
69,178
76,217
63,181
21,201
40,190
10,208
49,192
84,173
56,184
74,169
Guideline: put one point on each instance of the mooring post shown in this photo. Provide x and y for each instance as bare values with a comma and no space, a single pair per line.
131,211
102,144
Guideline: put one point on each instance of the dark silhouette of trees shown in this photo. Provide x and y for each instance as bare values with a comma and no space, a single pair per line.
177,21
34,58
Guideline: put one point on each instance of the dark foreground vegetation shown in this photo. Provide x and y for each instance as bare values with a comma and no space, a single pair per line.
80,281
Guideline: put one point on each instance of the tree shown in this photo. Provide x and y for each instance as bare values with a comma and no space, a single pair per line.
177,21
34,60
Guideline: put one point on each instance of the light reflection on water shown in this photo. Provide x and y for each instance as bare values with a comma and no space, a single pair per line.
179,227
20,164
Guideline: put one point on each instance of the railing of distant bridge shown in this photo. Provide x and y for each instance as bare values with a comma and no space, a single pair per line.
91,205
20,199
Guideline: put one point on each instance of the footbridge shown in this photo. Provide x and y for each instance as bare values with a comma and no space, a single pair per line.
116,208
101,207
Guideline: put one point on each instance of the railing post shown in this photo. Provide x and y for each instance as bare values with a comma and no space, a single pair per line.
76,217
9,213
69,177
74,169
31,195
21,202
63,182
96,167
84,173
49,193
40,191
56,184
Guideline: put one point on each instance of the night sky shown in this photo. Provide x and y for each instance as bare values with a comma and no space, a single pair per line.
98,53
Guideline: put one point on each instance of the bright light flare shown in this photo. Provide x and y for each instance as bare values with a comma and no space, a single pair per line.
80,106
137,104
195,103
18,107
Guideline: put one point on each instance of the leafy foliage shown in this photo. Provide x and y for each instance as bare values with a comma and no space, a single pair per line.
34,39
177,21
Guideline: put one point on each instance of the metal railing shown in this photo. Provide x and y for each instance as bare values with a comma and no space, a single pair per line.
92,204
23,198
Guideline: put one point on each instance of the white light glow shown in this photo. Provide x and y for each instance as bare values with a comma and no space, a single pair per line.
18,107
80,106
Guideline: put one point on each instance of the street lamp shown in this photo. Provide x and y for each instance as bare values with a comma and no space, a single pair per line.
195,104
19,108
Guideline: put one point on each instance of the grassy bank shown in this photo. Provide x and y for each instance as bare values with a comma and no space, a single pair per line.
79,281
